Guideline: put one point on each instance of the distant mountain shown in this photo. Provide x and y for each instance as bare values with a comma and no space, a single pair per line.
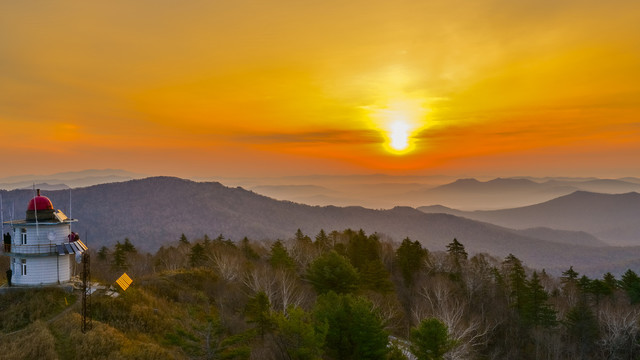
612,218
46,186
501,193
155,211
562,236
68,179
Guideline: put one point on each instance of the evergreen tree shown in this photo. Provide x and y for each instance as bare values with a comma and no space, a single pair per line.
457,251
302,238
128,247
322,241
280,257
184,240
247,250
457,256
582,327
630,283
355,330
430,340
536,310
364,254
332,272
410,259
119,261
103,253
610,282
258,311
517,281
298,335
197,255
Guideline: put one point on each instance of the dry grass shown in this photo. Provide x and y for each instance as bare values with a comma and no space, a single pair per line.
36,342
19,308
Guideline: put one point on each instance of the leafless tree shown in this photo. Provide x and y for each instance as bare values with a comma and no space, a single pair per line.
619,328
261,278
439,300
228,264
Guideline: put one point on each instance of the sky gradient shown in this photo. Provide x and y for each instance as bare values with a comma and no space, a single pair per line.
256,88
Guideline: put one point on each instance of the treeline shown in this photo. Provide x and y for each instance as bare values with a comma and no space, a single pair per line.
349,295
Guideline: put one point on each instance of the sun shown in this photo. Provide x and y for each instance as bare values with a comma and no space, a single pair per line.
399,133
399,120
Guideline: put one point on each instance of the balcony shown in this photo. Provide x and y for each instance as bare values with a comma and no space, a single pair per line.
44,249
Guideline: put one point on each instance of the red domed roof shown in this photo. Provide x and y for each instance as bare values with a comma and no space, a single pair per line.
40,203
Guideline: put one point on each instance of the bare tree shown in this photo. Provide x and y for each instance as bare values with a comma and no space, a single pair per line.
261,278
288,290
227,263
439,300
619,328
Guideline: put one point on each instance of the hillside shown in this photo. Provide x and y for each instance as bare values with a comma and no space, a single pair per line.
612,218
501,193
155,211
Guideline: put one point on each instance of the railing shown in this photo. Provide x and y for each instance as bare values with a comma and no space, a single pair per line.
30,249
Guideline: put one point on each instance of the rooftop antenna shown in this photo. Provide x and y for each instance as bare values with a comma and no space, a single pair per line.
13,208
70,217
35,208
1,214
86,289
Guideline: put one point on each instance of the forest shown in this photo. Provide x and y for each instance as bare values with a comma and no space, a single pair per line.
339,295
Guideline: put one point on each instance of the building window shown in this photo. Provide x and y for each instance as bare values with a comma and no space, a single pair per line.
23,237
24,267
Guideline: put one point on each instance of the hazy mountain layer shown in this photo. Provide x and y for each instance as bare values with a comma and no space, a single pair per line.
155,211
612,218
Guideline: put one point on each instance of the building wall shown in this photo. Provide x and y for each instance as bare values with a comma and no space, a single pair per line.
40,235
43,270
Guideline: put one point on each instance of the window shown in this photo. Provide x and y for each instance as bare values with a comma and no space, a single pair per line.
24,267
23,237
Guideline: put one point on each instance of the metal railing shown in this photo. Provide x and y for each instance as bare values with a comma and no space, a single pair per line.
29,249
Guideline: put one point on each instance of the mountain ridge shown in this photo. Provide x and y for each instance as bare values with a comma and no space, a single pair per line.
153,212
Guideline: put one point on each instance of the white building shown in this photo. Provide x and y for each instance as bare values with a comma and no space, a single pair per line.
42,248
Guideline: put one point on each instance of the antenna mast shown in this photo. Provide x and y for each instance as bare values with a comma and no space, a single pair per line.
86,290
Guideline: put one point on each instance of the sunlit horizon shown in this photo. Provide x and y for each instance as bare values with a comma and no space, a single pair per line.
207,89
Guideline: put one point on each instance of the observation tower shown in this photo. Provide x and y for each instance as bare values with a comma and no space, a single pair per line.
42,247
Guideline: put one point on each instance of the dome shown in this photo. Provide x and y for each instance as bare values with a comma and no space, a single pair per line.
40,203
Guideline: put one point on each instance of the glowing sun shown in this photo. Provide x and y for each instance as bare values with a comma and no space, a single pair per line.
399,120
399,132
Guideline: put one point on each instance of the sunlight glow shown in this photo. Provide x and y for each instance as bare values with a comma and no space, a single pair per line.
399,120
399,135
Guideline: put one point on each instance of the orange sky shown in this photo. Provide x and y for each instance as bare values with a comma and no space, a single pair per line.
253,88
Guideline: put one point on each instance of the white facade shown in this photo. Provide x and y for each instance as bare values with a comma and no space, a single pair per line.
46,270
40,249
35,259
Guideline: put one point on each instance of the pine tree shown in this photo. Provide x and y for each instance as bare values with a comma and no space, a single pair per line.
410,259
355,330
582,327
184,240
298,335
247,250
332,272
197,255
536,310
630,283
517,281
258,311
322,241
430,340
280,257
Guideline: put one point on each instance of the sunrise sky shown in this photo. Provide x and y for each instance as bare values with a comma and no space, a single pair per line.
264,88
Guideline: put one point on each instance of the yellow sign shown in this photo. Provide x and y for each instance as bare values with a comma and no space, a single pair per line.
124,281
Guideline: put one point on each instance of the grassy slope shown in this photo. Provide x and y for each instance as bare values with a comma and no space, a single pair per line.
167,316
